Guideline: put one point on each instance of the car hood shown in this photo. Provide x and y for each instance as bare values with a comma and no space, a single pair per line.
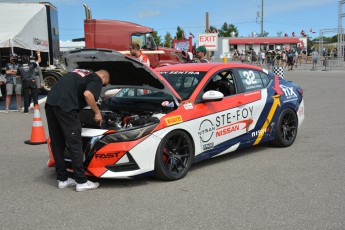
124,71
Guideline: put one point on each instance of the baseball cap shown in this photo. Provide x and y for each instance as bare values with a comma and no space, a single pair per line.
13,55
201,49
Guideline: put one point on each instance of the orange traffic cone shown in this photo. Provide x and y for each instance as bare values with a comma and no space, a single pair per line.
37,133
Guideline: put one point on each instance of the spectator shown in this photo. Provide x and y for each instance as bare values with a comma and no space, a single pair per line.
134,49
200,54
290,59
186,57
315,57
26,71
13,83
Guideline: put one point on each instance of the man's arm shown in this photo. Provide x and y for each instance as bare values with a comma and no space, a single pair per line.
90,100
10,71
38,56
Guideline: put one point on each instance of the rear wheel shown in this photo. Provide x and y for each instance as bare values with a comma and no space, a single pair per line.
286,131
174,156
49,79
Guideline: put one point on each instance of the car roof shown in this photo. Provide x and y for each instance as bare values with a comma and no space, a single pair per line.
204,67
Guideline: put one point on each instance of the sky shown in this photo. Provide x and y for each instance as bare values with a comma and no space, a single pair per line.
166,15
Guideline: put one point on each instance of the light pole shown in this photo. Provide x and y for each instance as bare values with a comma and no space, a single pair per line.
262,18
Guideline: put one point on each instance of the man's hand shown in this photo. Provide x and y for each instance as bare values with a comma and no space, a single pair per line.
98,118
90,100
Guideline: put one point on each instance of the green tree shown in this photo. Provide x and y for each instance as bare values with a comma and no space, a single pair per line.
265,34
167,40
179,33
226,29
156,38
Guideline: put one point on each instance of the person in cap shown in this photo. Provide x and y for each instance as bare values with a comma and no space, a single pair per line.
26,72
200,54
13,82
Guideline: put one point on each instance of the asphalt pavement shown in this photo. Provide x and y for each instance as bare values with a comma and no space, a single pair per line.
299,187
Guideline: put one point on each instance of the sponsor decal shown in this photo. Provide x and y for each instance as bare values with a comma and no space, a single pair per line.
168,104
40,42
179,72
206,130
288,91
188,105
276,103
173,120
256,133
225,130
207,146
106,156
228,118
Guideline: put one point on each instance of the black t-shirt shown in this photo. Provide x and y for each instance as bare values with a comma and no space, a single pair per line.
26,71
68,92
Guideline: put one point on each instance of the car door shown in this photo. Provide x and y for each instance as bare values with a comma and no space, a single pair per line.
225,123
255,87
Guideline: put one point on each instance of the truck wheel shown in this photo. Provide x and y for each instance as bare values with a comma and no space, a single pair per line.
49,79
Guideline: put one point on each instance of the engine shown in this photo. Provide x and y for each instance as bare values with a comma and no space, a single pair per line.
125,120
118,120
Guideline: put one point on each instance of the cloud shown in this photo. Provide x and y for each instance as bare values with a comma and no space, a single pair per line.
146,14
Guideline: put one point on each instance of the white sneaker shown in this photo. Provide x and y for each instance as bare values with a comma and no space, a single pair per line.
67,183
7,110
87,186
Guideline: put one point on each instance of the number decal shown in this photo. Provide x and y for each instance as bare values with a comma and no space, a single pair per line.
250,77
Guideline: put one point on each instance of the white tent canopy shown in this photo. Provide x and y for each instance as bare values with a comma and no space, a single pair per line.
24,25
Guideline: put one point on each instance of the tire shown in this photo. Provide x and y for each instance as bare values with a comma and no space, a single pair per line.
49,79
286,130
174,156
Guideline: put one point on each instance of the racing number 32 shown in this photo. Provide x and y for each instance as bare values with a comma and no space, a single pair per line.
250,77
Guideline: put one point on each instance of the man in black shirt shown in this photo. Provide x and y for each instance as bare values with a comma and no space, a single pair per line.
26,71
71,93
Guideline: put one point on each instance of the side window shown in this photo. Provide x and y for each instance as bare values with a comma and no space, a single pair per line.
265,79
222,82
139,39
251,79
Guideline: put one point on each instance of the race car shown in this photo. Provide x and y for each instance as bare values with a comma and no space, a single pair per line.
157,122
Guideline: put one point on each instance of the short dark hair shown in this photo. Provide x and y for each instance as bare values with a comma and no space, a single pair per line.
25,58
135,46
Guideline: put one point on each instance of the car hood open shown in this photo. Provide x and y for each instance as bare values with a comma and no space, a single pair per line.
124,71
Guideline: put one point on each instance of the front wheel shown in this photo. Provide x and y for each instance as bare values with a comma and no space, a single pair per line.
174,156
286,130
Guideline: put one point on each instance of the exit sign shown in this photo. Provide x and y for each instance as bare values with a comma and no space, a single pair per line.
209,40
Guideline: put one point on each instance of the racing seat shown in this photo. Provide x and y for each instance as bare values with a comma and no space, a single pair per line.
225,87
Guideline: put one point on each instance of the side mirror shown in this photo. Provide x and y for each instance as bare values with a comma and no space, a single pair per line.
212,95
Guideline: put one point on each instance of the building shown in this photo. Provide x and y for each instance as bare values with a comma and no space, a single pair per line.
227,46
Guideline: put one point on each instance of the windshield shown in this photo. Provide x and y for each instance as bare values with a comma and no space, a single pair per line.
184,82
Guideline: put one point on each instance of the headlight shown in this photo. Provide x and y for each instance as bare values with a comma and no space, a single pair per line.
129,135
